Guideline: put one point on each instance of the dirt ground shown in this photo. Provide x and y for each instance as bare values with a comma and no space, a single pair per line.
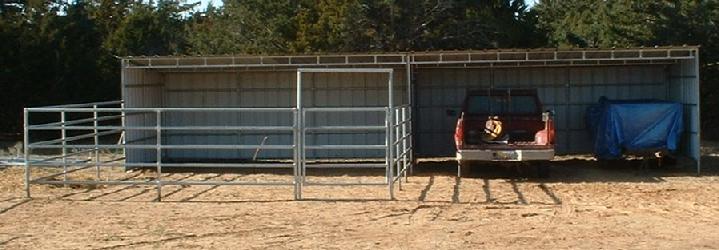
583,205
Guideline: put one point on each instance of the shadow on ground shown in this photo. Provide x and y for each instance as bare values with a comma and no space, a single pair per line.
573,169
564,170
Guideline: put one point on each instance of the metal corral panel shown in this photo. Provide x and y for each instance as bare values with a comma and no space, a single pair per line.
566,90
349,90
272,89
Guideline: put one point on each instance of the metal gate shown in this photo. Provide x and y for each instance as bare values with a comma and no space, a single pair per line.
395,127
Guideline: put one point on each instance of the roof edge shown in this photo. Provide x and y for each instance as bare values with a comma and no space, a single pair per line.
389,53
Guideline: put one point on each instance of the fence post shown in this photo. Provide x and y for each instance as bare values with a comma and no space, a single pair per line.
63,137
388,143
26,153
123,133
296,160
396,147
411,143
97,141
158,134
300,144
405,151
389,117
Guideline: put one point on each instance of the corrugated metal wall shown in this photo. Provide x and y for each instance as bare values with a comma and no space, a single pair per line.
141,89
272,89
566,90
684,88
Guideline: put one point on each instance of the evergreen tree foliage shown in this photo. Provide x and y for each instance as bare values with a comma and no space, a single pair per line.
581,23
150,30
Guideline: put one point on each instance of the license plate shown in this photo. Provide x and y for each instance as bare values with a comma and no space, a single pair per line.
505,155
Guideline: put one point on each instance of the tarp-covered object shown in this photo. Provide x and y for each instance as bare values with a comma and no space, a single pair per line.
634,125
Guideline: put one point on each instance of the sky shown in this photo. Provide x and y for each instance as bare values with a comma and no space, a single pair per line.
204,3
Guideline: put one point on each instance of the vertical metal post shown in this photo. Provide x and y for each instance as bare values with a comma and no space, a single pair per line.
296,156
387,142
303,151
405,150
698,107
299,175
63,137
123,133
390,121
408,72
158,147
97,141
396,146
123,136
26,152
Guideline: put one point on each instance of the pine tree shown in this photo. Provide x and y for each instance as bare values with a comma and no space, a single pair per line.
150,30
579,23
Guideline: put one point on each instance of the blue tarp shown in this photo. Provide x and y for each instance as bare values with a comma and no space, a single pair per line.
634,125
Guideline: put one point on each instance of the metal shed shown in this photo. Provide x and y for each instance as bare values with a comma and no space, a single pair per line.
316,111
568,80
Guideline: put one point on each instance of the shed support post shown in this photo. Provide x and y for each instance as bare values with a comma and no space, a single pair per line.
697,94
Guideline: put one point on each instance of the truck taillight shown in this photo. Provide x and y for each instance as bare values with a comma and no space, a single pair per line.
546,135
459,133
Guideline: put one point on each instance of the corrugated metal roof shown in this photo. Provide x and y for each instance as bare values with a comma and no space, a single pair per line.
564,55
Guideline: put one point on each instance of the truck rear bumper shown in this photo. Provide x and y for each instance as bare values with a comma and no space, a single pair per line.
505,154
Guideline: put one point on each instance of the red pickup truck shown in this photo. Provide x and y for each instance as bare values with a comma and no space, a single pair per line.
504,125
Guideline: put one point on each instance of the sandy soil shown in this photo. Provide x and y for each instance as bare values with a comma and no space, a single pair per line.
583,205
